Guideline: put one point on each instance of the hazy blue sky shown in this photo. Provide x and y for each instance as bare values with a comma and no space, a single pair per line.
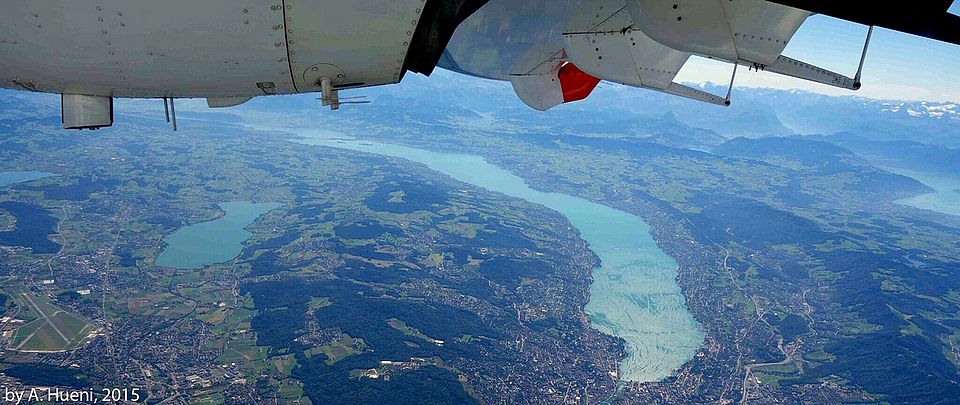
899,66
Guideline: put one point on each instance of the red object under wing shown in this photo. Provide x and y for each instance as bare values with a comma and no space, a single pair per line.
575,83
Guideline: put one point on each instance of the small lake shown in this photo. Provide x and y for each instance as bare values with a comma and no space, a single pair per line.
8,178
634,294
33,223
214,241
946,198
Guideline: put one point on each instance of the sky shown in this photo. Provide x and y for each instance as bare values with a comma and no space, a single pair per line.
898,66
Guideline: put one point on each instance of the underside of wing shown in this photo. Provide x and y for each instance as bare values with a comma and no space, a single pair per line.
927,18
538,45
560,55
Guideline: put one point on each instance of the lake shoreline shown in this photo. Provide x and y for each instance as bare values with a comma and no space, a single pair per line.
945,197
634,294
212,241
9,178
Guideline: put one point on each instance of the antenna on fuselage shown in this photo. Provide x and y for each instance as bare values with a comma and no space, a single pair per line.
170,112
166,110
331,96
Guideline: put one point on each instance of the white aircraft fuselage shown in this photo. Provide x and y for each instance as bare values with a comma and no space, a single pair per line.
209,48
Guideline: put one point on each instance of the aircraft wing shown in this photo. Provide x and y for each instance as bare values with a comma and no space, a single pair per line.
926,18
546,48
552,51
560,55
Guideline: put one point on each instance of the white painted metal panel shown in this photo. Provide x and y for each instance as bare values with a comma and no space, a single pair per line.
365,41
600,40
761,30
658,65
209,48
128,48
605,55
596,42
756,31
541,91
694,26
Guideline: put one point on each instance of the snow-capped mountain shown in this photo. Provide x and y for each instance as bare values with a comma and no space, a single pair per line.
923,109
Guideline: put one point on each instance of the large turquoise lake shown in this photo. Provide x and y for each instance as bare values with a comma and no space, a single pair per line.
634,294
215,241
945,199
8,178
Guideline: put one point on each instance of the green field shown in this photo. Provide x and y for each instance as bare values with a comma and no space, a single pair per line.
339,349
243,350
410,331
53,328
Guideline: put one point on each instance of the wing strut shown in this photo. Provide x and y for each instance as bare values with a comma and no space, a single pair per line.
732,79
863,57
677,89
788,66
